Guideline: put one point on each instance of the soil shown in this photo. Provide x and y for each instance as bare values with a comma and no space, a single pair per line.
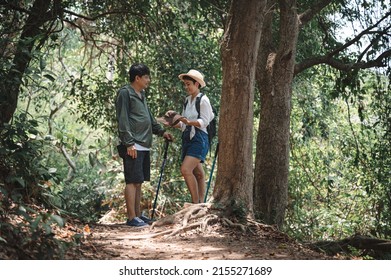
217,242
196,233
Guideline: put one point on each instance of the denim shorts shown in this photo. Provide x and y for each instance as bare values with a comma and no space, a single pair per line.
137,170
197,147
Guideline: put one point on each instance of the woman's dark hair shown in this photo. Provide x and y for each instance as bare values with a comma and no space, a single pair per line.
138,69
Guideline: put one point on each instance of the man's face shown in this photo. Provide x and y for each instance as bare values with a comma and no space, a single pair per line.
143,81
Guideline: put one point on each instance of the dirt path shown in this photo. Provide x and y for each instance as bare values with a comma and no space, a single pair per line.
117,242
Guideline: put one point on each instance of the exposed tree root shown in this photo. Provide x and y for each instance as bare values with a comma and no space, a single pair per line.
192,216
201,216
379,248
232,224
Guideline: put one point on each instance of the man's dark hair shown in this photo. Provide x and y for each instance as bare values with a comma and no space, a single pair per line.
138,69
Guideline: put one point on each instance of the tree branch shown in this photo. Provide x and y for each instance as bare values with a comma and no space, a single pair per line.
343,66
380,247
307,16
327,59
100,15
359,36
11,84
68,158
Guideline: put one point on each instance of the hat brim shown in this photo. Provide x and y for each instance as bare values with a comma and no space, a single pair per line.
201,82
171,118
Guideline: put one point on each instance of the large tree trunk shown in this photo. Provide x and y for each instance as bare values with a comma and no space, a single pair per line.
239,56
275,75
10,84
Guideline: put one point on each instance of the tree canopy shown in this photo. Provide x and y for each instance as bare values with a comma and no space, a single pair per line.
302,92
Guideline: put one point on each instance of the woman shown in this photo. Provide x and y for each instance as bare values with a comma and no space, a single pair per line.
195,142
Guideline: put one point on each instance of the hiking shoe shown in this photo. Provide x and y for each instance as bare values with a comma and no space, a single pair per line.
136,222
145,219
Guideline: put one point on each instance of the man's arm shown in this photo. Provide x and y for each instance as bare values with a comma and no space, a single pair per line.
122,107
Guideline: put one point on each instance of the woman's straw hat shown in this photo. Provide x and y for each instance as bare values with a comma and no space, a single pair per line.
196,75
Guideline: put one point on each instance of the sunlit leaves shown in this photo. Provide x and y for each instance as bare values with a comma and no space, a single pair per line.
339,183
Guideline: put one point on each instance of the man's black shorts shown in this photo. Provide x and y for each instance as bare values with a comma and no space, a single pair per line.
137,170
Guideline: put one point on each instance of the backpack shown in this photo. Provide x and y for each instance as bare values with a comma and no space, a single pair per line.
212,126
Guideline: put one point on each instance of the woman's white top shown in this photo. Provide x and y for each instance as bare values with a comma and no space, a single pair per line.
190,112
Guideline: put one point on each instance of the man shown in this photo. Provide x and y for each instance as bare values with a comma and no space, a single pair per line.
135,127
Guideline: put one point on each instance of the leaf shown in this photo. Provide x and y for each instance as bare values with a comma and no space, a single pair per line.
20,181
92,158
78,237
47,228
59,135
52,170
86,230
35,223
49,137
58,220
50,77
42,64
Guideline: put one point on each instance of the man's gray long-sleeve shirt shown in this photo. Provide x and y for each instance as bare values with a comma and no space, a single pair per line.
135,121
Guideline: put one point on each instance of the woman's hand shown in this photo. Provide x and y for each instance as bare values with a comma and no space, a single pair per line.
185,121
190,123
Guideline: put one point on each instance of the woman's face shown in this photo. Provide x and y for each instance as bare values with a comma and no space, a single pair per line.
191,87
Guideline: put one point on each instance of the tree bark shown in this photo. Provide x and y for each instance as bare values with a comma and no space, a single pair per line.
239,50
275,75
10,85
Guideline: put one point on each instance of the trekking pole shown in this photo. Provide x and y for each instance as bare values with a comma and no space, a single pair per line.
211,172
161,175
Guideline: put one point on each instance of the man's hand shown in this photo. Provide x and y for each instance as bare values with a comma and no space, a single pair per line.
131,151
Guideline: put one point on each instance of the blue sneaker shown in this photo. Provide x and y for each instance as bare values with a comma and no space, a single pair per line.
145,219
136,222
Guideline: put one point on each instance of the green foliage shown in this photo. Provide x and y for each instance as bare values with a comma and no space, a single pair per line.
95,99
180,40
30,234
63,154
22,173
83,196
339,170
23,181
